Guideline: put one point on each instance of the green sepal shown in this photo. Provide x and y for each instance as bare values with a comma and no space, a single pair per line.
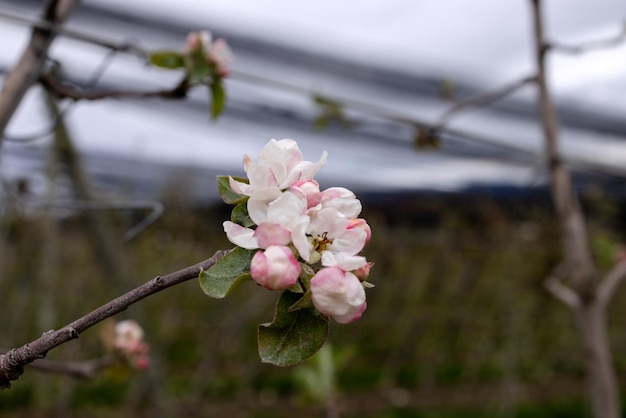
296,288
305,302
292,337
226,192
228,273
240,215
171,60
218,98
198,67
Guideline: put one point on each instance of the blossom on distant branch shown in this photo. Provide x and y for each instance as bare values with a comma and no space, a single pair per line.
128,341
217,53
309,240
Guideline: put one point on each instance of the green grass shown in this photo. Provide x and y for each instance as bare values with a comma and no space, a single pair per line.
459,308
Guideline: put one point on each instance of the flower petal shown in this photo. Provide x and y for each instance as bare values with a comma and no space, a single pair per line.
238,235
276,268
339,294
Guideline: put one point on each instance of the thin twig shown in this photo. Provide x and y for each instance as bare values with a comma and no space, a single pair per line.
156,210
485,99
12,362
562,292
616,40
556,287
87,369
64,90
367,108
610,283
76,35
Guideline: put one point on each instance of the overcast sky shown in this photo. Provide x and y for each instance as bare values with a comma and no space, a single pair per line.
485,42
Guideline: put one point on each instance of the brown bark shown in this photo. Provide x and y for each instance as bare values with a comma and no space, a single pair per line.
29,66
12,362
578,266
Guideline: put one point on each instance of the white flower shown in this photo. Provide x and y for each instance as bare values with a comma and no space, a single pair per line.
128,341
280,165
280,222
338,294
333,241
127,334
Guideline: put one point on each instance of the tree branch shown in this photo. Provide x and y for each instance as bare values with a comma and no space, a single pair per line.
610,283
563,293
28,68
64,90
12,362
485,99
590,45
79,369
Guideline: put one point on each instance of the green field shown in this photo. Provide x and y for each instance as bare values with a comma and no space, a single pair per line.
459,324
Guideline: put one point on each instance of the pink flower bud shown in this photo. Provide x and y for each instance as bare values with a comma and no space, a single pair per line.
128,334
221,55
309,189
361,224
129,343
142,363
196,41
363,272
339,294
276,268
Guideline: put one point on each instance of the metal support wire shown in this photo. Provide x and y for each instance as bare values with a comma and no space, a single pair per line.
156,210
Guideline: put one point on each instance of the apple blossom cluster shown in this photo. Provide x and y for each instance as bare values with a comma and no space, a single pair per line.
307,239
129,343
217,53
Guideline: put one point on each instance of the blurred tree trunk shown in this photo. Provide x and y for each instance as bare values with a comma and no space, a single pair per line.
66,156
582,294
28,68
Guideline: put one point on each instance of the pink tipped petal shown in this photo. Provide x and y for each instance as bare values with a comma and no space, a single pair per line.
343,200
330,221
343,261
338,294
276,268
261,177
300,239
307,169
247,162
309,189
363,272
350,242
259,203
238,235
269,233
239,187
286,209
361,223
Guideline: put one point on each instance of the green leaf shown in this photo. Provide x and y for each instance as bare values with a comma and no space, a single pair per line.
225,275
218,98
226,192
240,215
198,67
168,59
293,336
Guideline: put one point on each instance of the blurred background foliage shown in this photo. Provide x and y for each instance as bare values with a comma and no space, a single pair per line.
459,324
